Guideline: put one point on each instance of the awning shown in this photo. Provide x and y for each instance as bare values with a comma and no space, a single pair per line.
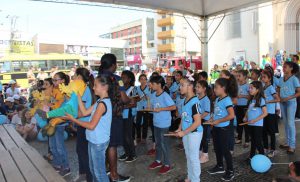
192,7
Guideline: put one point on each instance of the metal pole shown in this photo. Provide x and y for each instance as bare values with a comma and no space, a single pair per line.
204,44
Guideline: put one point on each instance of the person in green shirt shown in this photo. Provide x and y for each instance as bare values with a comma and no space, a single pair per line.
214,74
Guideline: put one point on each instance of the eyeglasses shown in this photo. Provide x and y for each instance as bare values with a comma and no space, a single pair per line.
55,80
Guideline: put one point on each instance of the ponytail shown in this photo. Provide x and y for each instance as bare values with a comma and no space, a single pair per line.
88,79
64,77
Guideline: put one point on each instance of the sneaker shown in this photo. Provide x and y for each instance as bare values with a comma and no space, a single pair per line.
155,165
121,179
123,157
151,152
238,141
56,168
65,172
130,159
80,178
271,153
164,169
204,158
228,176
216,170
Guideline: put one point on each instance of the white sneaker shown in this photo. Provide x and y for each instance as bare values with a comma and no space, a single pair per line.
204,158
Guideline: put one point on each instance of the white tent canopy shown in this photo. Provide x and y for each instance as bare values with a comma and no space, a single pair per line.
192,7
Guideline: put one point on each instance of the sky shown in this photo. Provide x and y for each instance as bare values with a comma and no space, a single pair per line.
62,19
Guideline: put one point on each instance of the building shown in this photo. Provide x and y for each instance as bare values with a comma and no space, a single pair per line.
176,38
255,31
140,35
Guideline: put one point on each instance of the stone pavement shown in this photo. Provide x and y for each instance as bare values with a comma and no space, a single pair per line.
139,172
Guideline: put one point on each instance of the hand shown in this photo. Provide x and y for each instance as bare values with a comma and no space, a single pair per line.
180,134
245,119
68,117
216,122
284,99
178,130
251,122
157,110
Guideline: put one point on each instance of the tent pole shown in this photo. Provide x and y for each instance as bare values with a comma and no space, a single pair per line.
204,44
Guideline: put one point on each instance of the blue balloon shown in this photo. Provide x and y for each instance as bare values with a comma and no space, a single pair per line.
42,138
3,119
260,163
65,135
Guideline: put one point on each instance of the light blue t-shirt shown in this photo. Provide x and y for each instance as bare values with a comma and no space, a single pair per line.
87,100
288,87
130,91
162,119
220,110
101,133
243,90
174,89
189,110
205,107
254,112
275,82
179,103
142,93
269,92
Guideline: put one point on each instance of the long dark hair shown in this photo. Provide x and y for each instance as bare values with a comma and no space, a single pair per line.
49,80
260,94
223,82
158,80
233,85
113,93
208,90
107,61
268,74
88,78
293,65
63,76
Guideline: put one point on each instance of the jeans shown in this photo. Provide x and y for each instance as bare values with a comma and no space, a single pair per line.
142,124
97,161
83,154
256,133
288,111
221,140
162,145
57,147
191,143
128,138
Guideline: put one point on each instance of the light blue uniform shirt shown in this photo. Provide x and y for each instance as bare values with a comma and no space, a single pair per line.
189,110
243,90
130,91
162,119
255,112
220,110
288,87
174,89
87,100
142,104
101,133
179,103
205,107
269,94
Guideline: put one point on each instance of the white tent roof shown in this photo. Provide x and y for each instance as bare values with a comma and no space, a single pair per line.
193,7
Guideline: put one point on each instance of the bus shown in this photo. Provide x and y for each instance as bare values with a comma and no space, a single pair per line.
15,66
193,62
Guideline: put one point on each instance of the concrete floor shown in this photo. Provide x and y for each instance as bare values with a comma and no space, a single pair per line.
139,172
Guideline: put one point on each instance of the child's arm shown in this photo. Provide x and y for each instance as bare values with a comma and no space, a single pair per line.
276,99
101,109
170,108
229,117
292,96
262,116
204,114
82,109
194,126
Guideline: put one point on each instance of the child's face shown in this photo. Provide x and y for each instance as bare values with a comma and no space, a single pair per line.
169,80
177,77
202,78
287,69
155,86
143,80
240,77
222,75
27,115
219,90
183,86
253,91
57,80
46,85
99,88
200,89
125,79
265,78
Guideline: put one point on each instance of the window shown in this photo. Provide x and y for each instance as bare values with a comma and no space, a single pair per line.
71,63
59,63
164,41
121,34
234,26
164,28
116,34
20,66
5,67
164,16
39,64
171,27
129,31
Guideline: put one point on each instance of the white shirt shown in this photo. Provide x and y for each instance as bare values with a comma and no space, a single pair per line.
16,120
11,93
